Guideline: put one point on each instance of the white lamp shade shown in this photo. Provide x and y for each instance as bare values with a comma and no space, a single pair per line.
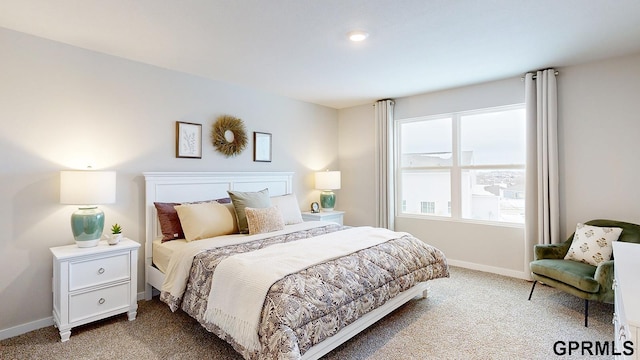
328,180
87,187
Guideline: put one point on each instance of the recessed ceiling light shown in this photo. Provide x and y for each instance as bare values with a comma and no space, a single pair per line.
358,35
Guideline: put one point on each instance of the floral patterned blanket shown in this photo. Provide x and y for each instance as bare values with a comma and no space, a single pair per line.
304,308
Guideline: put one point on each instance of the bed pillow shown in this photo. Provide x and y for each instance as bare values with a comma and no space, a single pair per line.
264,220
288,205
241,200
206,220
593,244
169,221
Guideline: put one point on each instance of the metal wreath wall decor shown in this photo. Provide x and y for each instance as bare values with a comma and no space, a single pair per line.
229,135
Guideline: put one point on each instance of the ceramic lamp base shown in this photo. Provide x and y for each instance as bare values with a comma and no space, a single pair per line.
87,225
87,243
327,200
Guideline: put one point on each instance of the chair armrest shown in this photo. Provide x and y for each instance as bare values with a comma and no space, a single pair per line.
551,251
604,275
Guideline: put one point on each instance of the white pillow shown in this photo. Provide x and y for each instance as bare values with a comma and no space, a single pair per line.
593,244
288,205
264,220
206,220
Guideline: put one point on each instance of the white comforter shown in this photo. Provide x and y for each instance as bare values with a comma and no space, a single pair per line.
179,266
240,283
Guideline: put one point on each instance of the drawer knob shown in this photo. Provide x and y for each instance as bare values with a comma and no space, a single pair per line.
101,301
101,271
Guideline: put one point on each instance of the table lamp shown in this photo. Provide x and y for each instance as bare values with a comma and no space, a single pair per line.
87,189
327,181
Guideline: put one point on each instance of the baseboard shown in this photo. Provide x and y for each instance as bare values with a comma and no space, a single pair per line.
489,269
38,324
25,328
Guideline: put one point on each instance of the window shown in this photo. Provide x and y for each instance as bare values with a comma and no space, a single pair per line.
466,165
428,207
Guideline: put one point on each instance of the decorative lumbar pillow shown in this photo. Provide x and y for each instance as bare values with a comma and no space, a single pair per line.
264,220
593,244
169,221
206,220
288,205
241,200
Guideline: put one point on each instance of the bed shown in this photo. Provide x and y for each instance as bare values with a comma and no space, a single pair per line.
342,280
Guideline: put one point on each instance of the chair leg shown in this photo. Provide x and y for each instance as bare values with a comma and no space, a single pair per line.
586,305
532,287
586,312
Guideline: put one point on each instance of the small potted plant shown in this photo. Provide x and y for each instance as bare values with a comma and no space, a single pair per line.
116,234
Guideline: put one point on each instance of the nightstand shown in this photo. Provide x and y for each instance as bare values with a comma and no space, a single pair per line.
335,216
90,284
626,318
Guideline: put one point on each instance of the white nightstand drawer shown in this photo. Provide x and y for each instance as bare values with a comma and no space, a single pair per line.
93,303
98,271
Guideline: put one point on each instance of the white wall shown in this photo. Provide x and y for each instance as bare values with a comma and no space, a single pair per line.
357,165
62,108
599,143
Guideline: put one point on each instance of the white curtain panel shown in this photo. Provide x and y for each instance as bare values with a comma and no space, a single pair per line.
384,164
542,210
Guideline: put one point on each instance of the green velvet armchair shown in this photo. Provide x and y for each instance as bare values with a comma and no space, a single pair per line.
585,281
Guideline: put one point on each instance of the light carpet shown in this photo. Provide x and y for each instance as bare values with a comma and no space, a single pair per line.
471,315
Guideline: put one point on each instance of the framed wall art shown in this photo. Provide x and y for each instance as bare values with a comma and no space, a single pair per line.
188,140
261,147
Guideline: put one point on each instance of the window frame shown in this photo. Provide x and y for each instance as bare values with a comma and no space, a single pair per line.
455,169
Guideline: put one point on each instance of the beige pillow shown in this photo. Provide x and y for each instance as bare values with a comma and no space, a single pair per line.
169,221
592,244
288,205
206,220
264,220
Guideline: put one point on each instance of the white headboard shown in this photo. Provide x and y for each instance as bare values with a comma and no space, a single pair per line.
195,186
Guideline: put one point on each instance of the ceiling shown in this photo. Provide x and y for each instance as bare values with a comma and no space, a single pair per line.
299,48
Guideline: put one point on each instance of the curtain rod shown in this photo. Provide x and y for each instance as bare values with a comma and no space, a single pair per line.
393,102
556,73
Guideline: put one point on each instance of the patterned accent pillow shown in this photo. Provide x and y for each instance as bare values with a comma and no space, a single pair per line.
206,220
264,220
169,221
242,200
593,244
288,205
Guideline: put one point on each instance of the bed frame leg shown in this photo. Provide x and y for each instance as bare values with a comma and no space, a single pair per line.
148,292
423,295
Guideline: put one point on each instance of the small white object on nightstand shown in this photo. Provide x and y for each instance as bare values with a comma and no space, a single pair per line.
90,284
335,216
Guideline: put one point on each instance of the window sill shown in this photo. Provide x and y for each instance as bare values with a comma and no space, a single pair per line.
465,221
